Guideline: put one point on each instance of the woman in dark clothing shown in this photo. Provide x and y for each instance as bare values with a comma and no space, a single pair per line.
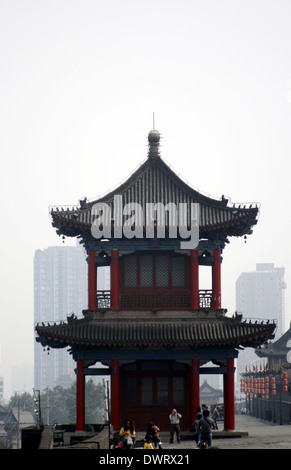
153,431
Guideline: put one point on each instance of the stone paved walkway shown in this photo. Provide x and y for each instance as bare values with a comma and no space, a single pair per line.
256,434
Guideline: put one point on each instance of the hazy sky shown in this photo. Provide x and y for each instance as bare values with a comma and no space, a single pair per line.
79,83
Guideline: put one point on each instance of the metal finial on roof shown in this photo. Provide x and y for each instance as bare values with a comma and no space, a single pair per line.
154,142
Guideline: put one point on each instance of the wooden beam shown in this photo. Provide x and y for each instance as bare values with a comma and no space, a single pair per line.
97,371
213,370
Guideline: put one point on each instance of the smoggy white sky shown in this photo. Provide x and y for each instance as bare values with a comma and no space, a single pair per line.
79,83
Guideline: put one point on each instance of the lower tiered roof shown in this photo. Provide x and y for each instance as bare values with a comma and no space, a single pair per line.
162,328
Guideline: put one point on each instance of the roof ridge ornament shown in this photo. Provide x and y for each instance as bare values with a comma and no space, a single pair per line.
154,143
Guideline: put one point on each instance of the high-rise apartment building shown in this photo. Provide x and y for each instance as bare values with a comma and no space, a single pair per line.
260,296
60,288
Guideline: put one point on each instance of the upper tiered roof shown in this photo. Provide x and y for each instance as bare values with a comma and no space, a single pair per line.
155,182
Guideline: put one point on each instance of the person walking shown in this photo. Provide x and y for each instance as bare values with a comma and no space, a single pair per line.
195,427
215,416
174,418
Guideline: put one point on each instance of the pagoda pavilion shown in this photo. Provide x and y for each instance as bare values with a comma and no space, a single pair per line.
277,353
155,327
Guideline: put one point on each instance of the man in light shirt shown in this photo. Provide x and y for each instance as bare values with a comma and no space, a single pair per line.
174,418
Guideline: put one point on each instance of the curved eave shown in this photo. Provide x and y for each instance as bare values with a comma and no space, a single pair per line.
160,333
277,348
272,354
71,225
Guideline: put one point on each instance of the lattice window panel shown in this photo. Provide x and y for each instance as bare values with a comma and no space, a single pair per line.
147,391
162,390
178,390
178,271
162,271
146,271
131,391
130,271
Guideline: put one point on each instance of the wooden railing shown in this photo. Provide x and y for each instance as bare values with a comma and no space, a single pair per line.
178,300
155,300
103,299
205,298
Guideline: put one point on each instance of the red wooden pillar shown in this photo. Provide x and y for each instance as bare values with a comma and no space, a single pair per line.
80,397
92,280
194,393
194,276
216,279
115,400
114,272
228,390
